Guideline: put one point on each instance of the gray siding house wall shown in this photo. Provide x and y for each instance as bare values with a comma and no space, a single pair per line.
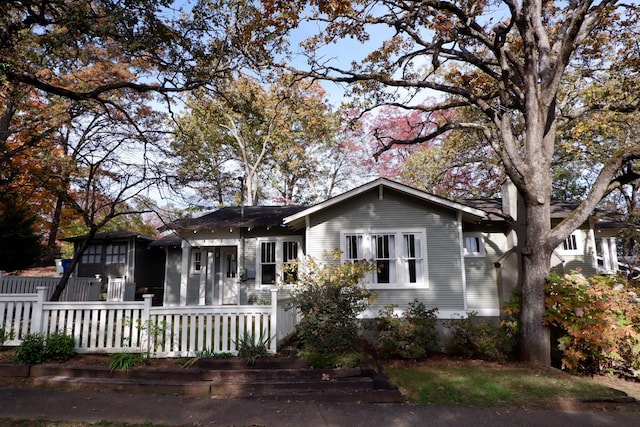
457,256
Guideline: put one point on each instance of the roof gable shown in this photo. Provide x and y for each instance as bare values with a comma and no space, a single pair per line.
381,184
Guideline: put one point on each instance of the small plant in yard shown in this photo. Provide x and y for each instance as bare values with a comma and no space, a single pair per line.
223,355
199,355
478,339
410,336
152,334
252,348
124,361
60,347
4,336
32,349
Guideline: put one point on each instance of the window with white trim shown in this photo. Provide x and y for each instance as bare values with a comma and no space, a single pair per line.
92,254
573,244
570,243
473,245
397,255
276,260
116,254
196,260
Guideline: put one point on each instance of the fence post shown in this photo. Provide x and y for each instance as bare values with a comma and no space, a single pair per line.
146,318
273,326
36,325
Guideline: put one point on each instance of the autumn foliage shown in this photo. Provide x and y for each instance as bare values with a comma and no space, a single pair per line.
597,321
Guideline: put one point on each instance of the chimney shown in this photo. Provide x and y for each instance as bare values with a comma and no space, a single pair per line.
510,199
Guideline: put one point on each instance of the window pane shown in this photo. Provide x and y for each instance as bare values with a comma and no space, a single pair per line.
472,244
268,252
268,274
384,254
289,256
570,243
268,262
353,247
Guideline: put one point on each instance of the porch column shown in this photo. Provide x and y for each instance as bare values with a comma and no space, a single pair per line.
614,254
184,272
606,259
273,326
204,270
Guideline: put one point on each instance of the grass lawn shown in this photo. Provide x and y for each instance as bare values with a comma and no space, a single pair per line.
443,382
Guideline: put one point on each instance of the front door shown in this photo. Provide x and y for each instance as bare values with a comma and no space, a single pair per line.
229,283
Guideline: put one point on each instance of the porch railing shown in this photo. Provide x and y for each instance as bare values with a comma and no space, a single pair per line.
113,327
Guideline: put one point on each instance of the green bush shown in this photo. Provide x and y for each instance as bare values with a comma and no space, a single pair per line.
597,322
59,347
252,347
410,336
471,338
329,298
32,349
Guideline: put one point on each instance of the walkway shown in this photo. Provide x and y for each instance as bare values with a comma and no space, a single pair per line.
26,403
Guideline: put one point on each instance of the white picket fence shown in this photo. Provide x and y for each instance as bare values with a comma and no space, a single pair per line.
77,289
112,327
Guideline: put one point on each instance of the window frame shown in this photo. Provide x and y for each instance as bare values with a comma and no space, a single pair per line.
280,263
479,237
111,253
575,238
401,273
196,260
92,257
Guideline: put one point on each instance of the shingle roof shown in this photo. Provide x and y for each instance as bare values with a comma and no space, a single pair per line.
112,235
248,216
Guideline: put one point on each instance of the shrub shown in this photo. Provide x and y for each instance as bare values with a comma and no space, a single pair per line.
597,322
410,336
32,349
329,298
252,348
471,338
59,347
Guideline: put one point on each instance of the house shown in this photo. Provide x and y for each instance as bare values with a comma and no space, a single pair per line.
126,257
458,256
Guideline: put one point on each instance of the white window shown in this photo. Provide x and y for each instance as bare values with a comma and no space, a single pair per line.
353,249
384,256
473,245
412,257
196,260
276,260
397,255
92,255
570,243
116,254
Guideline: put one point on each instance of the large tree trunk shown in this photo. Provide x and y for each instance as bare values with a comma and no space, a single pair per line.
536,256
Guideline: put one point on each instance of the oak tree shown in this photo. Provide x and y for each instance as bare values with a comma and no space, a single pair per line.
513,63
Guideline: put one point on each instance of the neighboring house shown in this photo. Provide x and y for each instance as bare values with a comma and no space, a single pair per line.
124,256
458,256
